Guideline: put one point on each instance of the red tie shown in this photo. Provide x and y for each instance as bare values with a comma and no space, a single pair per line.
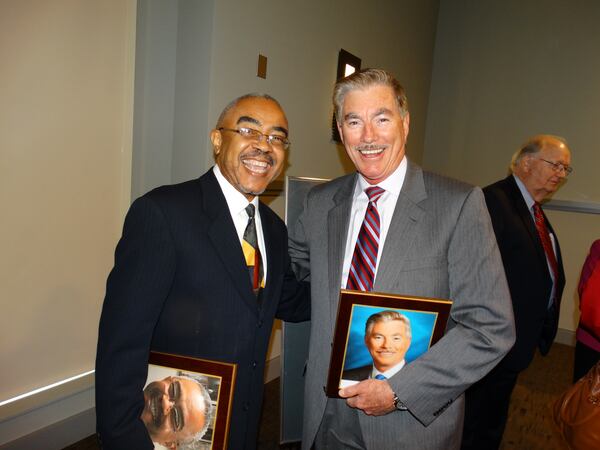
364,259
540,224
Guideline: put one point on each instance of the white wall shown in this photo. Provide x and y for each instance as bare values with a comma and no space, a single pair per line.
302,41
154,107
66,84
506,70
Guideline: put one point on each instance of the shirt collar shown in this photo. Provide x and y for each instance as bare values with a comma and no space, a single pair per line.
390,372
236,201
529,201
392,184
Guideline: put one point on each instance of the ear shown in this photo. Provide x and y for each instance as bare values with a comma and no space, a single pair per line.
216,138
406,124
527,163
339,127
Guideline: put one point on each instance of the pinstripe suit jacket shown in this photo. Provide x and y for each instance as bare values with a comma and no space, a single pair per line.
440,244
180,285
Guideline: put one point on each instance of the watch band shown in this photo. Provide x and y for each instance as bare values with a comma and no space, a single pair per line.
398,404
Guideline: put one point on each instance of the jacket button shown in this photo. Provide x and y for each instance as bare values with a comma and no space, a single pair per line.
246,406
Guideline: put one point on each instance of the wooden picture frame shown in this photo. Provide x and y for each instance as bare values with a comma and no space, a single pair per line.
216,381
427,318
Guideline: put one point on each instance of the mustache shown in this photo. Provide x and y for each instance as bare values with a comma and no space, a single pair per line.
257,153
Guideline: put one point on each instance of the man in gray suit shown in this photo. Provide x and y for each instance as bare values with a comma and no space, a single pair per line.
422,235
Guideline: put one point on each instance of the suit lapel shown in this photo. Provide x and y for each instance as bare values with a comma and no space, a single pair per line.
561,274
525,215
273,255
403,227
223,236
337,234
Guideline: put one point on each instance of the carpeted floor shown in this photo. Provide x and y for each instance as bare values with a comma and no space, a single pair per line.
529,425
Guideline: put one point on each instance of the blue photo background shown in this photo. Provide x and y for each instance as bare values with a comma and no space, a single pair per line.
357,355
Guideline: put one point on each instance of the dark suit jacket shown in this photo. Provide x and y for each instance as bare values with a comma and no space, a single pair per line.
180,285
526,270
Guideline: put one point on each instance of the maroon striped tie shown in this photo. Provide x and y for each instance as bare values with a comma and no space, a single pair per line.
542,229
364,259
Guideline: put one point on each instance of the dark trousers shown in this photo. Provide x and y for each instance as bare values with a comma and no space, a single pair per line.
486,409
585,359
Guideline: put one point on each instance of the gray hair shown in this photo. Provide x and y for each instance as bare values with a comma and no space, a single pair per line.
234,102
363,79
387,316
534,145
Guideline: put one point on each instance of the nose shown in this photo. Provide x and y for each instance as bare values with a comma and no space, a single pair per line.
369,134
261,143
167,404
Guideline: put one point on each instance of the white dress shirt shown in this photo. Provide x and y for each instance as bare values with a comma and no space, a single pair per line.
529,201
385,206
237,202
390,372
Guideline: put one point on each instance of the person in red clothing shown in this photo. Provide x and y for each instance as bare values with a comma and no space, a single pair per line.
587,348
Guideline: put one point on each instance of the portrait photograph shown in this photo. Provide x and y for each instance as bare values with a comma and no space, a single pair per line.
187,402
378,334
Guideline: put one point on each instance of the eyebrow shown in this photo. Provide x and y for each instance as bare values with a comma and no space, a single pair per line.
380,111
258,122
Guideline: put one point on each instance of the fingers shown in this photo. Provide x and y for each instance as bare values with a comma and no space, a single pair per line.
374,397
350,391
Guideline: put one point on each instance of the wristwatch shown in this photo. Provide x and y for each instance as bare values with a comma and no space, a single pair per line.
398,404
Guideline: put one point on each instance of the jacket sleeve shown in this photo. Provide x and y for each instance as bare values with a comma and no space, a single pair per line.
481,329
294,305
136,290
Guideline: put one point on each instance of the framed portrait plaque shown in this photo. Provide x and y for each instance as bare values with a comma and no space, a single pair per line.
378,333
187,402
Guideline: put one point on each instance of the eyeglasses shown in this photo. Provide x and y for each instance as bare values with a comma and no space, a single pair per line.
279,142
558,167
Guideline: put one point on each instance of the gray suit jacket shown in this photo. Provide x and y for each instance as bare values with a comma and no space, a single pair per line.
440,244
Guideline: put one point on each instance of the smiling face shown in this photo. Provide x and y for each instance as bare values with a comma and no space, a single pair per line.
539,176
373,131
387,342
174,410
247,163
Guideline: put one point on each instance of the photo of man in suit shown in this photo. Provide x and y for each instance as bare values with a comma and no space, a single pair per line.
193,259
534,270
393,227
177,410
387,337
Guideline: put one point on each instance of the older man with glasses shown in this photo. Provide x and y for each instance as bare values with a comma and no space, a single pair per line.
534,270
202,270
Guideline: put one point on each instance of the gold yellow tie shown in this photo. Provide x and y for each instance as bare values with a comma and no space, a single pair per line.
252,252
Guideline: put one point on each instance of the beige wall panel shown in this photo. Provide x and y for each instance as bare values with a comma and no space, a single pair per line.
504,71
65,162
301,41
